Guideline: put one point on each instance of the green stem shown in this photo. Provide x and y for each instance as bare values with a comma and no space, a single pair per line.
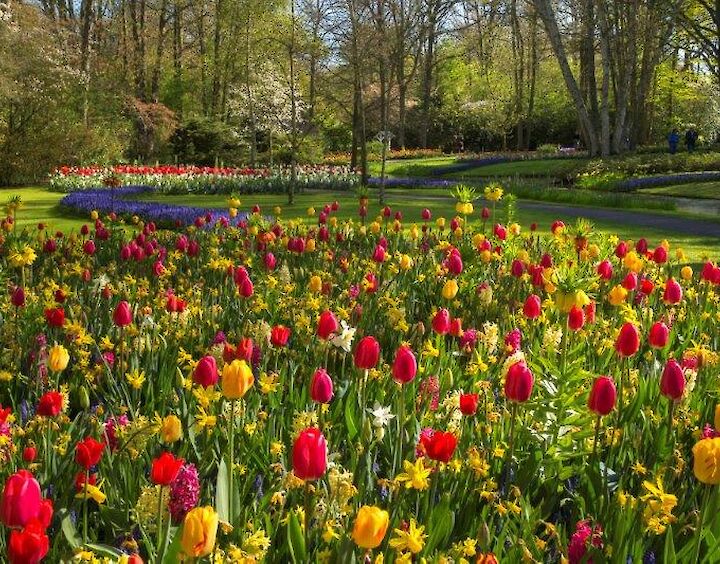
308,516
85,508
597,436
705,502
231,458
401,423
671,413
511,445
159,524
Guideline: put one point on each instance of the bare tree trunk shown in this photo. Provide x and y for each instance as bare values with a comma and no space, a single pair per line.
605,89
428,68
216,57
177,56
159,48
86,14
249,92
293,110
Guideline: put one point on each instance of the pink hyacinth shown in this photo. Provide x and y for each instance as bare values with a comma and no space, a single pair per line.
584,537
184,492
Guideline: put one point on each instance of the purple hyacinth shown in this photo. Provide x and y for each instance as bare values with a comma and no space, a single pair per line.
184,492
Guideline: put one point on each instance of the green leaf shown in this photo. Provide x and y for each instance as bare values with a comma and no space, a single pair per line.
222,499
172,554
442,522
105,549
296,539
669,551
69,530
351,419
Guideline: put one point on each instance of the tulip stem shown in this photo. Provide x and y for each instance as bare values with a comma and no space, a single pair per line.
401,422
597,436
511,444
231,458
159,524
122,352
705,502
308,516
85,509
671,413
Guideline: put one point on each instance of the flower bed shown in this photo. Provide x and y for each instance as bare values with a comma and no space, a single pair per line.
346,391
204,180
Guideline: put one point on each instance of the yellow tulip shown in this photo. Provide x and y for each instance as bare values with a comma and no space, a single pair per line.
706,461
440,223
237,379
171,429
375,227
686,273
94,215
310,245
58,358
406,262
311,211
315,284
617,295
370,526
450,290
277,210
199,532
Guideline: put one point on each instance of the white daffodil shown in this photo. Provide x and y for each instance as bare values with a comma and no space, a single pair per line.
381,415
345,338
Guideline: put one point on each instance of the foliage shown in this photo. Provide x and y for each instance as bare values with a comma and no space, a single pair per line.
204,141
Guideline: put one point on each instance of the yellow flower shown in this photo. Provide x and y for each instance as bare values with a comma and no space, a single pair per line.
370,526
171,429
237,379
406,262
686,273
199,532
617,295
58,358
136,379
315,284
412,540
450,290
415,475
565,302
93,492
706,461
205,421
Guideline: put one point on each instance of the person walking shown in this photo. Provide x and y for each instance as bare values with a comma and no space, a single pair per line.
691,137
673,140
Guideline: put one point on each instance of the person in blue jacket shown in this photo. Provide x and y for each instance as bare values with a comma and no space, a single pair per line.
673,140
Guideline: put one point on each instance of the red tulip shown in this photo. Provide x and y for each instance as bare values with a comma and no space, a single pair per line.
454,262
279,335
367,353
29,545
244,349
426,214
468,404
17,298
310,454
321,386
602,396
605,270
660,255
621,249
165,469
88,452
327,324
628,340
576,318
532,307
456,329
245,287
122,316
438,445
206,372
270,261
517,268
519,382
659,335
379,254
29,454
55,316
50,404
405,366
630,282
672,381
89,247
673,292
441,322
21,500
590,313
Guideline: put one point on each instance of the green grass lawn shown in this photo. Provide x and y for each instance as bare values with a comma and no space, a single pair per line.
410,167
41,206
707,190
533,167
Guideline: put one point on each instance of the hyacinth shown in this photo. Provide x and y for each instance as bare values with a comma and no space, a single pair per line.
184,492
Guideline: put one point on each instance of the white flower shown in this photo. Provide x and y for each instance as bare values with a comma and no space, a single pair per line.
381,415
345,338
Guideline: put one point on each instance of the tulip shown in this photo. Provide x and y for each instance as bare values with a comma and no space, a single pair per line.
206,372
21,500
468,404
450,290
439,446
519,382
441,322
309,454
171,429
628,340
246,288
673,292
404,367
630,282
672,381
29,545
237,379
371,524
122,316
456,329
165,469
29,454
279,335
605,270
659,335
55,317
576,318
532,307
601,400
88,452
367,353
321,386
660,255
327,325
199,532
50,404
706,461
17,297
58,358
